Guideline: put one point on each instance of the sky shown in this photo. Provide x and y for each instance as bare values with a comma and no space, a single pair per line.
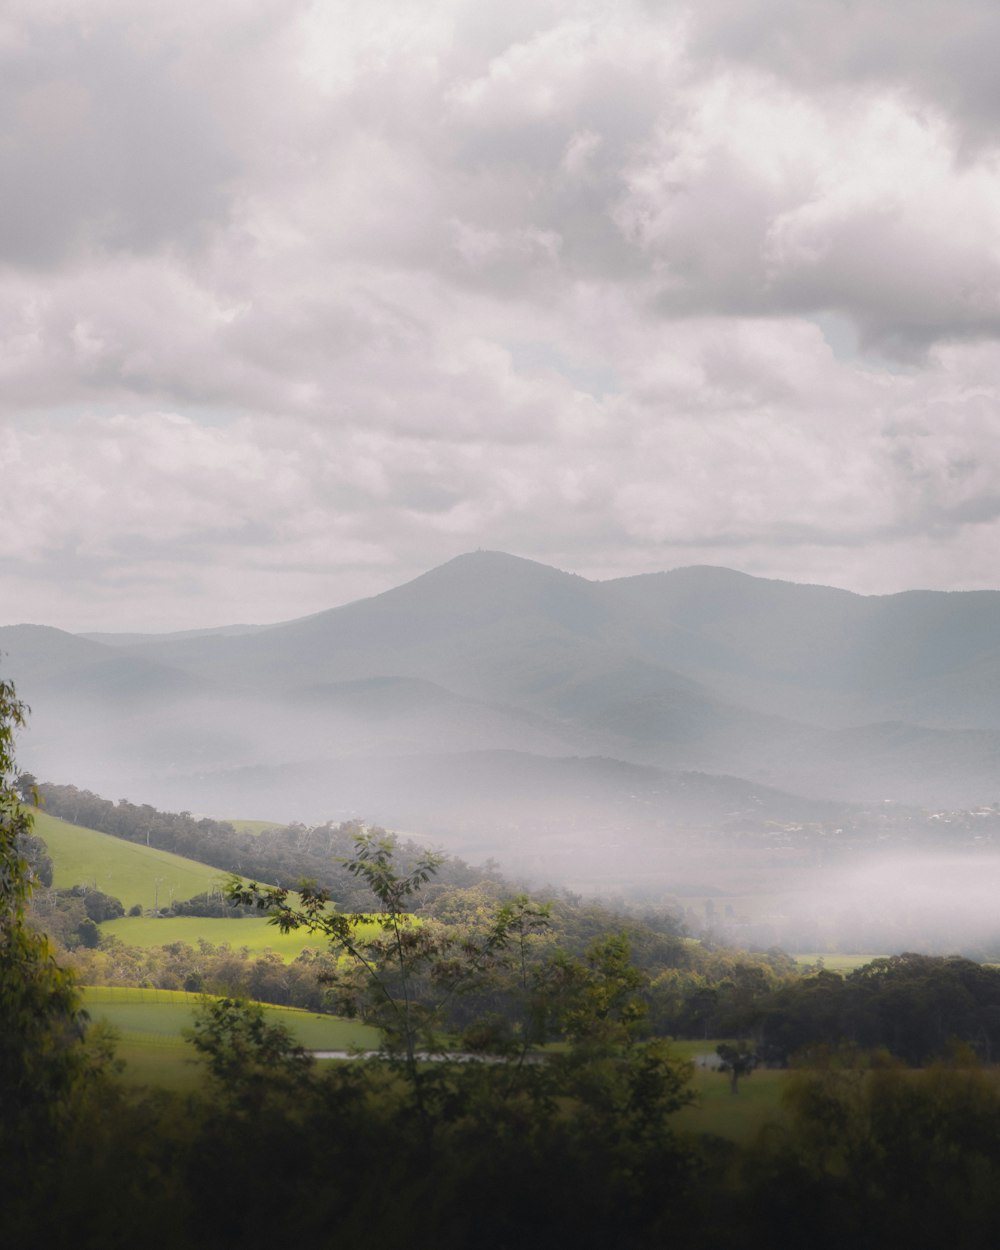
298,300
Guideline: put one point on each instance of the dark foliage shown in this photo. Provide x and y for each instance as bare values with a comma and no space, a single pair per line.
36,856
913,1006
46,1071
210,903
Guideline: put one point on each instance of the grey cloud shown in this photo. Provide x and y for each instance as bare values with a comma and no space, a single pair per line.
106,146
325,305
943,54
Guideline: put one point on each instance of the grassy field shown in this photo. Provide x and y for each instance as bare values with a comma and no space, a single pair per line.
737,1117
149,1023
252,932
833,962
128,870
144,875
254,826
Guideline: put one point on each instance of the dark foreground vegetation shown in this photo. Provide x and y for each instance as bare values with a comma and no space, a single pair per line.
499,1143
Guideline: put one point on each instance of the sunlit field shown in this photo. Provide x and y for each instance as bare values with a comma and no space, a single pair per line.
253,932
150,1026
254,826
128,870
832,962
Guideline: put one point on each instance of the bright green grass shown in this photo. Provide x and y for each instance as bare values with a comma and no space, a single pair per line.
254,826
144,875
161,1015
150,1024
834,962
128,870
253,932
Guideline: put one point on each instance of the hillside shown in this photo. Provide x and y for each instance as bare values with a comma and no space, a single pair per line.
151,878
132,873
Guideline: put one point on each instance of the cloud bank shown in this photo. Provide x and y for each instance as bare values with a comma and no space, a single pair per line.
297,300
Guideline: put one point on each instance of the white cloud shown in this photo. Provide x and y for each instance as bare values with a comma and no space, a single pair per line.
297,300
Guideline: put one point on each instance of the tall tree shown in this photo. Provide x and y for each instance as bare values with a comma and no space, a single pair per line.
41,1056
404,978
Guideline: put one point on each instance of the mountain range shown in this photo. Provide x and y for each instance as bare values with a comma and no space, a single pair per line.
495,692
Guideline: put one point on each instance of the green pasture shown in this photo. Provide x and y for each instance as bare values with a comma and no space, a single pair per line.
833,962
254,826
140,874
737,1117
127,870
253,932
150,1023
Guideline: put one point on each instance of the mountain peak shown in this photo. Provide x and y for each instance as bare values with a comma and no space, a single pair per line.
484,572
493,561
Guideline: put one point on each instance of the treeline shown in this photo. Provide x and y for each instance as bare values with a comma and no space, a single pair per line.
913,1006
220,968
910,1006
209,968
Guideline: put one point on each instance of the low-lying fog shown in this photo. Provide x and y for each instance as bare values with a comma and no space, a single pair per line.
934,904
749,864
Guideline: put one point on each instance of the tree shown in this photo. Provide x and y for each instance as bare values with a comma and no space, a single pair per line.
43,1063
100,906
404,979
26,785
601,998
627,1086
392,964
36,853
738,1059
249,1058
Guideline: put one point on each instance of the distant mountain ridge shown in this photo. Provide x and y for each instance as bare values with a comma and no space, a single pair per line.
804,689
128,640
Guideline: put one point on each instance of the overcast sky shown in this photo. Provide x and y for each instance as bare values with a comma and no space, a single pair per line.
299,300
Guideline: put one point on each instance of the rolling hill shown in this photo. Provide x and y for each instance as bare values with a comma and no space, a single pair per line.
152,878
127,870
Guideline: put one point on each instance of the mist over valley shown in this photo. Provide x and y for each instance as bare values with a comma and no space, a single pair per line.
685,734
